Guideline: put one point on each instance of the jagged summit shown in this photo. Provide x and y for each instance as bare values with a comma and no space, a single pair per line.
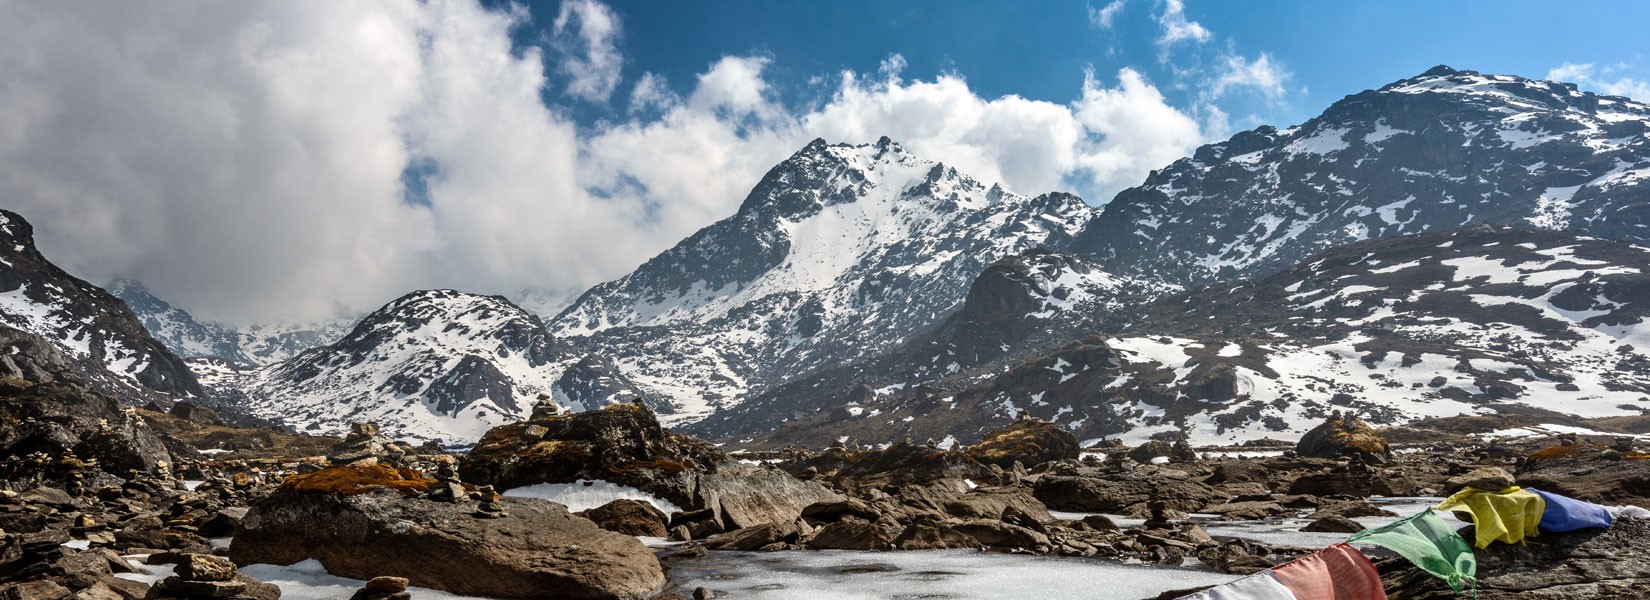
432,364
838,253
1438,151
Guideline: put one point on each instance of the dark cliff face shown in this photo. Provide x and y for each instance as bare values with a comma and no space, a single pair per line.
82,320
1432,153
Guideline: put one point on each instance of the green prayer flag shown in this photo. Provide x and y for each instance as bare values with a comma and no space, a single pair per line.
1430,543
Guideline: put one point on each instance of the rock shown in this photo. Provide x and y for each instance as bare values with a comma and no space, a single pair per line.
1239,472
1344,436
1120,495
1334,524
1247,511
745,495
383,588
1350,509
989,503
933,536
1489,479
850,534
755,537
1099,523
621,443
386,585
1581,471
825,512
1589,564
205,567
178,587
1027,441
1354,484
1178,451
538,546
998,534
629,517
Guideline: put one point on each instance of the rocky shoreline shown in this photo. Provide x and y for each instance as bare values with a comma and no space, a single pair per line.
98,497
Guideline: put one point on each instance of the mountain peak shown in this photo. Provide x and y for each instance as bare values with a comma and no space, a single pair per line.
1442,71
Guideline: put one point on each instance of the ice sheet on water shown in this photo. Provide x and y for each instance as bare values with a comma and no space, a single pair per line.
951,574
308,580
588,494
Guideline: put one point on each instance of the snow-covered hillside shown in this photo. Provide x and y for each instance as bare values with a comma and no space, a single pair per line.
840,253
84,322
1480,320
1439,151
435,364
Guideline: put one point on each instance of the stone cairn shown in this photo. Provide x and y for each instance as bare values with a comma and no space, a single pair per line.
199,576
364,447
383,588
448,488
490,507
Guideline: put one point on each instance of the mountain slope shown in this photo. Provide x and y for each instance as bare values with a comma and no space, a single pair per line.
85,323
1482,320
258,344
838,254
434,364
175,327
1017,305
1442,150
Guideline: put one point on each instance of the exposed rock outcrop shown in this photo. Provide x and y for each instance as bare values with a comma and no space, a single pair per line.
1028,441
538,546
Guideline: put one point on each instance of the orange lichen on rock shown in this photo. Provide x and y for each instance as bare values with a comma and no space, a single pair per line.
351,481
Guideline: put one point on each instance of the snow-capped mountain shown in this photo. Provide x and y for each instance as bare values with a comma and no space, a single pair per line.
175,327
433,364
1439,151
258,344
1018,305
1481,320
840,253
85,323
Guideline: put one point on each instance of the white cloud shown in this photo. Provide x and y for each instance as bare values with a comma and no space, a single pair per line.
652,91
1101,18
1587,76
1176,27
245,160
1262,74
586,33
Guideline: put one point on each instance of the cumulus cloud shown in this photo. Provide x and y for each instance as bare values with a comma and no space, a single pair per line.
1176,27
1602,80
1263,75
1101,18
586,33
247,160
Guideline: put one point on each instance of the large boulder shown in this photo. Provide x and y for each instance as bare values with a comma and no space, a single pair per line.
1028,441
69,420
1344,436
1592,564
1589,472
624,444
621,443
362,531
629,517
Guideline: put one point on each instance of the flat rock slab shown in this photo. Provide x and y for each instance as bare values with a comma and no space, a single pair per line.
539,550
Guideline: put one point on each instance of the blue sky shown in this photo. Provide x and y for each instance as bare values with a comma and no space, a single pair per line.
300,159
1039,50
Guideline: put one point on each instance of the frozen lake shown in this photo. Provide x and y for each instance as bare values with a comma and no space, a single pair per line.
939,574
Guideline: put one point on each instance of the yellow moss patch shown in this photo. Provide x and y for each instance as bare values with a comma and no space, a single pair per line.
351,481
